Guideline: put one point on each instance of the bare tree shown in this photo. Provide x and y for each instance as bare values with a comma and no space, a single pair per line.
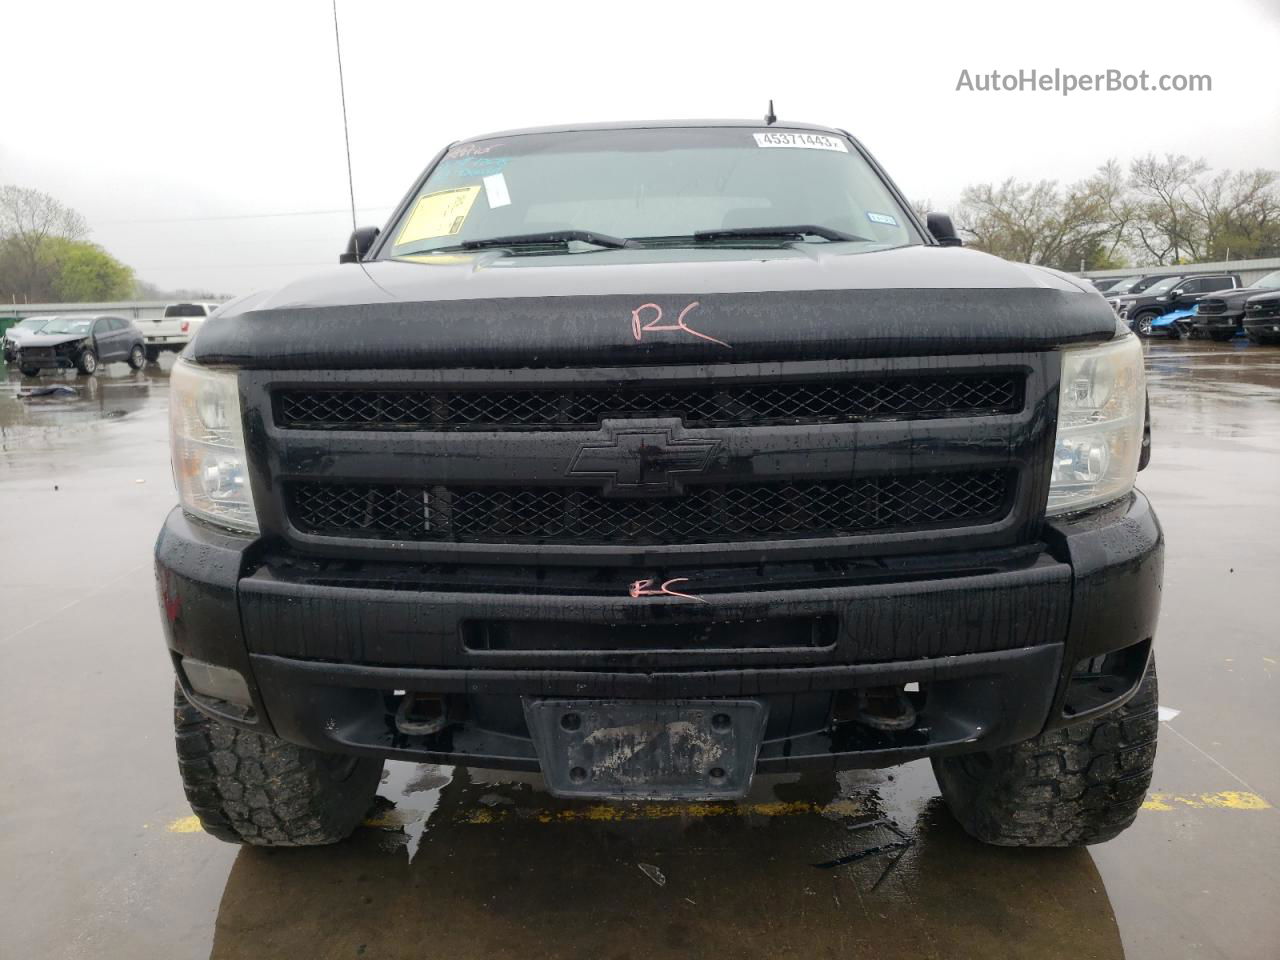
1239,212
1043,224
1167,226
28,220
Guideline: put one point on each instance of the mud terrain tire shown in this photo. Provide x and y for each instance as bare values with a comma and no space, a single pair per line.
1072,786
257,789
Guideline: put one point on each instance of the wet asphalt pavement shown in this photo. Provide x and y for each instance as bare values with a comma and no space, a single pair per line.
99,856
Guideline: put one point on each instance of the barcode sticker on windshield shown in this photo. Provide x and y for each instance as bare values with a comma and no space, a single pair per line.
806,141
882,218
495,191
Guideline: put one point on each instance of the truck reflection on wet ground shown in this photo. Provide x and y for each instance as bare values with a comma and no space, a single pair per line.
498,868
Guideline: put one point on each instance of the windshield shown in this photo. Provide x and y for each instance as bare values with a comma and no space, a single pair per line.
1269,282
31,323
1164,286
69,325
658,186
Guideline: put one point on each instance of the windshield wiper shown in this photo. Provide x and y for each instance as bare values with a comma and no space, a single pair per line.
799,231
555,236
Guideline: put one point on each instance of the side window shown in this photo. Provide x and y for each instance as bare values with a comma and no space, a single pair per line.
1192,286
101,326
1217,283
115,324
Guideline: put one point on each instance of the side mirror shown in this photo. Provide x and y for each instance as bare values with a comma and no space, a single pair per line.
1175,294
942,230
361,243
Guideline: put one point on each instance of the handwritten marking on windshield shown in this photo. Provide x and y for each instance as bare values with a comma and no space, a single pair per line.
645,588
639,328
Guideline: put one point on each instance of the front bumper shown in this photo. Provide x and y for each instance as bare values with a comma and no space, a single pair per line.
991,639
1263,327
45,360
1215,321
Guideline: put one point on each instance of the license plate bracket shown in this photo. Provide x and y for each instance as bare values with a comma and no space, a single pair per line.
640,749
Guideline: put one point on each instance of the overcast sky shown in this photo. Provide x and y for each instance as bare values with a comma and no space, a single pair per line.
177,127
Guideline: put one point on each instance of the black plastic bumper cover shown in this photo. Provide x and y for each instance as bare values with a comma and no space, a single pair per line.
994,647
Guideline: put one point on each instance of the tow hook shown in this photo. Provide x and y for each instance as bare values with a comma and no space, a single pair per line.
881,708
421,714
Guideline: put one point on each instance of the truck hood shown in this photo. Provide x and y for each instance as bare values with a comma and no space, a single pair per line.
624,307
51,339
1237,298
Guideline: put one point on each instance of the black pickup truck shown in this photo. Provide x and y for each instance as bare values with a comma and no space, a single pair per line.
1220,316
1262,318
652,457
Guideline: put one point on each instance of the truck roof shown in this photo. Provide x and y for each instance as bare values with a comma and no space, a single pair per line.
651,125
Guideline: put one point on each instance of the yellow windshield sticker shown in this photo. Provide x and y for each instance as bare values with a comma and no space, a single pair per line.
439,214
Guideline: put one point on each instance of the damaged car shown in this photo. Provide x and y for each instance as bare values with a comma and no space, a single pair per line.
81,343
20,330
652,457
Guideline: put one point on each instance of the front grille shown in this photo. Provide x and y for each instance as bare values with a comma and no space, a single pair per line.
39,354
1209,307
705,404
1268,308
712,513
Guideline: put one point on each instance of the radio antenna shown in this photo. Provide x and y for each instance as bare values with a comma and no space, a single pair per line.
346,134
769,117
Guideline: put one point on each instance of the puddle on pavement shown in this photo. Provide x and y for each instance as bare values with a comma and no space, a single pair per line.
81,403
465,863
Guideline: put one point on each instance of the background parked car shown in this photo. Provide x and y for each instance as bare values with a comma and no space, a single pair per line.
1142,312
1103,284
1131,286
21,329
174,330
1262,318
1220,316
82,342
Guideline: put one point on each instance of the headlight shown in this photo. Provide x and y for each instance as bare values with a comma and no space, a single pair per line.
206,441
1100,420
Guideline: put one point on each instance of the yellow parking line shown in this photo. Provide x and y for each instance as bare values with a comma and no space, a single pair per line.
1226,800
624,812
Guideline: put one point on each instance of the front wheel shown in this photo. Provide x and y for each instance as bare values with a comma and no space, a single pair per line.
259,790
137,357
1072,786
1142,325
88,362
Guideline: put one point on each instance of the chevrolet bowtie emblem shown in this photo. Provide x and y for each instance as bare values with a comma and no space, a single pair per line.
639,460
